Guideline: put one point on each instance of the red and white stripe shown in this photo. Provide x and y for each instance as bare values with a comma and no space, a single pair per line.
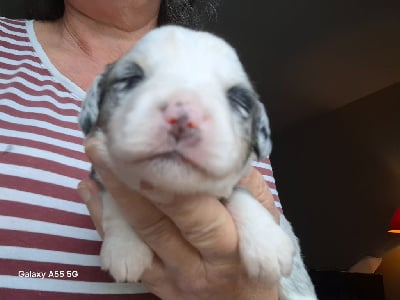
44,226
265,168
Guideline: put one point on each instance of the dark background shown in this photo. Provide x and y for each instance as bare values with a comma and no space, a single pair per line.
329,74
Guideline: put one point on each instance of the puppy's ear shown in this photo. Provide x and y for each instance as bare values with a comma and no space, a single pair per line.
90,106
261,139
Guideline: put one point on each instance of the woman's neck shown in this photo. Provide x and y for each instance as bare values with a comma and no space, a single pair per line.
107,31
81,44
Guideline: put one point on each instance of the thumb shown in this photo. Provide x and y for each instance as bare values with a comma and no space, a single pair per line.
89,192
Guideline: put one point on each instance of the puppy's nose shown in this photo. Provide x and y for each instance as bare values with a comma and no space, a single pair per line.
183,118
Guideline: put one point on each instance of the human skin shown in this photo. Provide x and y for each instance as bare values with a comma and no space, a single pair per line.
195,240
92,34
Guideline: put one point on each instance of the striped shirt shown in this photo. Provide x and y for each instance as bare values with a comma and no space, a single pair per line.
48,245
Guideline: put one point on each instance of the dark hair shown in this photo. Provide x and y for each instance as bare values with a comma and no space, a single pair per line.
189,13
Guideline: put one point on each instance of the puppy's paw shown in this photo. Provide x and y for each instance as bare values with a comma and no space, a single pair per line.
125,256
268,255
266,250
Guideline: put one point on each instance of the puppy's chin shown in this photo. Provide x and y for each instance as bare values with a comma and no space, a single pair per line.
174,167
173,174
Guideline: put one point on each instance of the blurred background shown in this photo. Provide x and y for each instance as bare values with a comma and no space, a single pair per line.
329,75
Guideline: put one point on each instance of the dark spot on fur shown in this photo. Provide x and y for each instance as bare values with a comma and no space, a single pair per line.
264,132
87,124
129,78
260,132
115,84
241,98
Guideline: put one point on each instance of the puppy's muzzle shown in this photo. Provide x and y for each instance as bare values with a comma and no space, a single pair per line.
184,118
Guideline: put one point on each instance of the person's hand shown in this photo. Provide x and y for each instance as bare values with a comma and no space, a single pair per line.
194,240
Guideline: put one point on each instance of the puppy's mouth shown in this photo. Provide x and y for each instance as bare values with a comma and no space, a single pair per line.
174,157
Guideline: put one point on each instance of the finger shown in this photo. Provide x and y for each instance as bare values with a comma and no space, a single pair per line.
154,227
89,193
155,274
256,185
203,221
207,225
159,280
138,210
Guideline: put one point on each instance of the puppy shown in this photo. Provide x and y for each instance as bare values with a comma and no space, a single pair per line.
178,113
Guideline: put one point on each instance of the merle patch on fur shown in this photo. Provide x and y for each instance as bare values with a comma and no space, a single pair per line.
241,99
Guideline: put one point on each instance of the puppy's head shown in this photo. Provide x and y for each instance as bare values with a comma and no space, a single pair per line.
177,111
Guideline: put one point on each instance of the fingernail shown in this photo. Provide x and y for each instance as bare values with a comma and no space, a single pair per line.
94,154
84,192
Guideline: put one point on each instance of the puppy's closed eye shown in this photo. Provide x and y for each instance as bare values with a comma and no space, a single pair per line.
139,142
129,78
241,100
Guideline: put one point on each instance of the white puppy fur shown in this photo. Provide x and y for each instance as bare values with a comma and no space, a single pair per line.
178,114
